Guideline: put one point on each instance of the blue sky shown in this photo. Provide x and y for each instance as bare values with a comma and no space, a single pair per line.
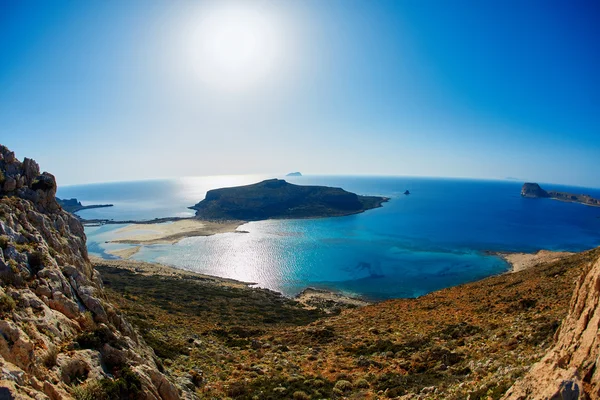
105,91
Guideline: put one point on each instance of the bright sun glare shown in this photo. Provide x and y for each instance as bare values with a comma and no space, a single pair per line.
234,47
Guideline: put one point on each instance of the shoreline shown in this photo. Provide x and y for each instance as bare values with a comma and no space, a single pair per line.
310,298
171,233
519,261
328,301
575,202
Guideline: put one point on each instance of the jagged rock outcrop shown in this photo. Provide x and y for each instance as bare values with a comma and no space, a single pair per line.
533,190
570,369
58,334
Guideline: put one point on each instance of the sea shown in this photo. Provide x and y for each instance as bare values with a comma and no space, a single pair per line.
440,235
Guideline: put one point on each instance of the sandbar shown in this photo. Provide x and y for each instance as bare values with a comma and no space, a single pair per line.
172,232
125,253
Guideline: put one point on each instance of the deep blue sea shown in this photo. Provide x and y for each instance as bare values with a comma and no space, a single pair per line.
435,237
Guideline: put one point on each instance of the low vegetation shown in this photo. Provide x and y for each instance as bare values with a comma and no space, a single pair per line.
471,341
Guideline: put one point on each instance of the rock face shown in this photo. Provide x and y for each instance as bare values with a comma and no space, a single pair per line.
275,198
58,334
570,369
533,190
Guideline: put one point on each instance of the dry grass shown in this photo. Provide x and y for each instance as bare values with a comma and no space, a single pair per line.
471,340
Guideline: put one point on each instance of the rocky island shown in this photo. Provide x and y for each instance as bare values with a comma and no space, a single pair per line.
278,199
294,174
533,190
74,205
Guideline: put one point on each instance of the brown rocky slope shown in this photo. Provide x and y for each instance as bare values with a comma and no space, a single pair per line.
569,369
59,336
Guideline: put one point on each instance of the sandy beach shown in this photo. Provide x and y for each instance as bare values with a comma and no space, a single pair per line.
169,233
523,261
125,253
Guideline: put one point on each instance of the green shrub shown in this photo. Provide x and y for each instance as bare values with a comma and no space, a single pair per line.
361,383
4,240
300,395
97,338
126,387
90,391
50,357
7,305
343,386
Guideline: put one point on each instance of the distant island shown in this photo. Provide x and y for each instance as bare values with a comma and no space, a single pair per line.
294,174
278,199
533,190
74,205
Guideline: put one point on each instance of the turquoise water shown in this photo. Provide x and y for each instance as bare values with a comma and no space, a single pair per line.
434,238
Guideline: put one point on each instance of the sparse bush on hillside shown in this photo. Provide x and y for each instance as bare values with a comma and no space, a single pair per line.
300,395
126,387
97,338
4,240
50,356
7,305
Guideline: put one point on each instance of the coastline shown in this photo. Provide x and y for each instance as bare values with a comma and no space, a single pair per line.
310,298
575,202
523,261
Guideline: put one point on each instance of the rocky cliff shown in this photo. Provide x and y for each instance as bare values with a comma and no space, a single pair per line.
533,190
59,336
569,369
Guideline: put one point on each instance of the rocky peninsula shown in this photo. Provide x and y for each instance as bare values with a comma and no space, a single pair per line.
74,205
278,199
533,190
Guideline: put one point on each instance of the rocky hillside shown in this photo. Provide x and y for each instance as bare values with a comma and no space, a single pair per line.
569,369
276,198
467,342
59,336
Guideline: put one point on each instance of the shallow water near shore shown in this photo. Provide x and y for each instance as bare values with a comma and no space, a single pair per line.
434,238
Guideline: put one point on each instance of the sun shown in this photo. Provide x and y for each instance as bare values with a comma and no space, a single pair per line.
234,46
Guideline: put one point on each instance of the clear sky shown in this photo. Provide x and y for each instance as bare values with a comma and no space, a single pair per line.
122,90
